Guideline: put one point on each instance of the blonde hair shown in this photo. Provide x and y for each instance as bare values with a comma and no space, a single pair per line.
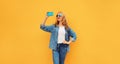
63,20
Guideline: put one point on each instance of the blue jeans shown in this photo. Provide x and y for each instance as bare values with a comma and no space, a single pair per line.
60,53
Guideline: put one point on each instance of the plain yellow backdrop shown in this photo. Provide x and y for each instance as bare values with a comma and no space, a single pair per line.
96,23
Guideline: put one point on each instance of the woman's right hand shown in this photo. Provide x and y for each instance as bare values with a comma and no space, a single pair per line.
46,15
44,21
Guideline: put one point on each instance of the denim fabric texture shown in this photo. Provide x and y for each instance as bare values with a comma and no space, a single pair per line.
54,35
60,53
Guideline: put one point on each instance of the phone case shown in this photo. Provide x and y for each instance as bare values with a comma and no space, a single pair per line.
49,13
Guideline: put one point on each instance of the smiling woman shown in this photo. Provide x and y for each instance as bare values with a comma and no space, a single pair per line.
60,37
95,22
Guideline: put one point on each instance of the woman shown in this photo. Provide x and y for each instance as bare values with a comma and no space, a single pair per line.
61,36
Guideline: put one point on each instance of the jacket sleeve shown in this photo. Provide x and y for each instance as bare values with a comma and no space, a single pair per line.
46,28
73,35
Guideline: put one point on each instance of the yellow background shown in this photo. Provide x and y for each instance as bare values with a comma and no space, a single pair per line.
96,22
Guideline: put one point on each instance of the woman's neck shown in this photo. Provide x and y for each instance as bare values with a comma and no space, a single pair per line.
60,24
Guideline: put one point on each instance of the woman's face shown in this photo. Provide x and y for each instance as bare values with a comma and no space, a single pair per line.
59,16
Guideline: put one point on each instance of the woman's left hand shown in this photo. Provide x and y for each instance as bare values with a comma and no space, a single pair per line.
66,42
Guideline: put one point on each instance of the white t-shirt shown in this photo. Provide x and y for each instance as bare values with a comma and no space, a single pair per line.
61,34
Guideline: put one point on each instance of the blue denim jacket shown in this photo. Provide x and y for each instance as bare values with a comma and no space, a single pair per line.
54,35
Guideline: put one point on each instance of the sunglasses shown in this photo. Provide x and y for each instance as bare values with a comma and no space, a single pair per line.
59,15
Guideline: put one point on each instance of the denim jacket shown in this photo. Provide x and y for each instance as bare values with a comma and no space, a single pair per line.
54,35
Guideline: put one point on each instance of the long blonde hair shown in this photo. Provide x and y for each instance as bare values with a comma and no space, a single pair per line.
63,20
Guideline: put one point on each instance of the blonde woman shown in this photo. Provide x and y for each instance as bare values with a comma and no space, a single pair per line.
61,36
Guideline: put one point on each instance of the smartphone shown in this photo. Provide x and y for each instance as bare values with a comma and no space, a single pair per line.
49,13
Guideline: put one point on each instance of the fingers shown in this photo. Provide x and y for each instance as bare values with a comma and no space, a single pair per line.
65,42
